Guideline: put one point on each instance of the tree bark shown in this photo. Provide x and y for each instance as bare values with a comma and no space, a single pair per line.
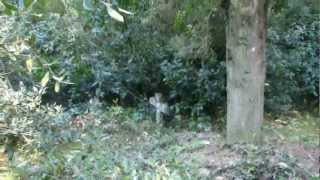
245,56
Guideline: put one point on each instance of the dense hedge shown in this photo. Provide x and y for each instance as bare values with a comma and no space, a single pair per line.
293,59
171,48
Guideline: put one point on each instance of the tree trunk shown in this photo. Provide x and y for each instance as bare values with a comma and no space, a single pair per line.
246,39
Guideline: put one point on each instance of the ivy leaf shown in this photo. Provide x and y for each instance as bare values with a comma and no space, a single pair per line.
29,64
57,87
45,79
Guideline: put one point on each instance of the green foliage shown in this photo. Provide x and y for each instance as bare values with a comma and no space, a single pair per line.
18,109
198,86
70,52
24,118
96,144
111,145
176,48
94,141
36,6
293,59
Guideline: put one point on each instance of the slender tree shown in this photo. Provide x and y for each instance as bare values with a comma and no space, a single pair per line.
245,56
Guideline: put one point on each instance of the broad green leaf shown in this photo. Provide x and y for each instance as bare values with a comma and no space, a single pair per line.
45,79
57,87
29,64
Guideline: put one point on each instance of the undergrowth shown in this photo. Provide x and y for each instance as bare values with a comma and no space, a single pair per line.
95,141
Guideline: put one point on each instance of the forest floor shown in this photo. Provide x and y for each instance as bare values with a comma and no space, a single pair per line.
290,146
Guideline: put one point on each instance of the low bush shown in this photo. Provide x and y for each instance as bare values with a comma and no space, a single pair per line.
28,122
181,56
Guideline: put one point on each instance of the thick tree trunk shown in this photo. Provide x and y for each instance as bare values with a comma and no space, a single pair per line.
246,34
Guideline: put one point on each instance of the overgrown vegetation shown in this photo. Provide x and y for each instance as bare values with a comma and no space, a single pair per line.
75,85
130,62
90,142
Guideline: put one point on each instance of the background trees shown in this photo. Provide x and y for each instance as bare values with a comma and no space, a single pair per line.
176,48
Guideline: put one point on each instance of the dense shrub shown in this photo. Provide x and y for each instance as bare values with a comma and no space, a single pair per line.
293,59
172,48
24,119
67,56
